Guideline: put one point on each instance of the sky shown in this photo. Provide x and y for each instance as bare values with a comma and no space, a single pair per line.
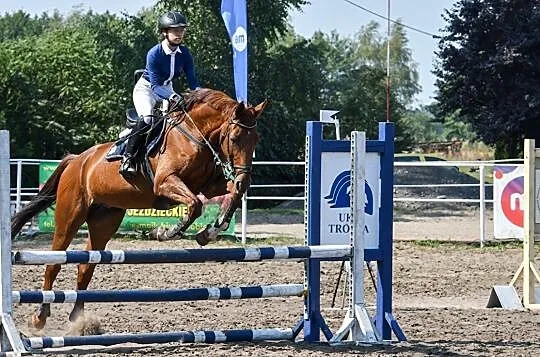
347,19
324,15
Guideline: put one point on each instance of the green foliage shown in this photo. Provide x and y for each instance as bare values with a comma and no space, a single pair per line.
421,126
428,124
489,70
369,47
66,88
20,25
454,128
355,71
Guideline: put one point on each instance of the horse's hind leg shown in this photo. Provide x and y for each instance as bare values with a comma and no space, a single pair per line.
69,216
103,222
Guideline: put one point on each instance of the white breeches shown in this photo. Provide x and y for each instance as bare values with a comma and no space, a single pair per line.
144,99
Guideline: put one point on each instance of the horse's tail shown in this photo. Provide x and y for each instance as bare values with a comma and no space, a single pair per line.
40,202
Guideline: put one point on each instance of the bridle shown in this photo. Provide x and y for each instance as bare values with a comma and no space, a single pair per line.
230,171
229,168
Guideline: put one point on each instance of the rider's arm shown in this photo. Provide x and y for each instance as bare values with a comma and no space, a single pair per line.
189,70
152,64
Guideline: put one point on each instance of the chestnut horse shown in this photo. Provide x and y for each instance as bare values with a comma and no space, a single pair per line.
207,148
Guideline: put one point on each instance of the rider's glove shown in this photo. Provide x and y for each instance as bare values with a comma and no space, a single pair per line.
176,100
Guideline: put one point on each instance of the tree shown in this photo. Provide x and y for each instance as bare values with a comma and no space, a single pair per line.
421,126
19,25
355,79
67,88
489,70
78,96
369,47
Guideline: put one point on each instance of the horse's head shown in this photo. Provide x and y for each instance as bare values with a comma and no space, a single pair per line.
238,140
231,129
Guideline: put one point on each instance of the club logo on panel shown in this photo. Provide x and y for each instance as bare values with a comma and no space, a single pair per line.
340,197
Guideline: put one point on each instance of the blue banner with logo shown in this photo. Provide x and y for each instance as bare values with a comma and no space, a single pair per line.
234,15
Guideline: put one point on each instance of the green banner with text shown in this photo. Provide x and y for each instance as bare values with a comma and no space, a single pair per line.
138,219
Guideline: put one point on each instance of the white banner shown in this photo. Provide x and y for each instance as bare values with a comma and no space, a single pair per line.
335,222
508,202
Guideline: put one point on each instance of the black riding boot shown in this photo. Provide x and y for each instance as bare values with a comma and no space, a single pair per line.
128,167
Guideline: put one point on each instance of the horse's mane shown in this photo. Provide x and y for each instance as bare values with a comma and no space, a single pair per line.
214,98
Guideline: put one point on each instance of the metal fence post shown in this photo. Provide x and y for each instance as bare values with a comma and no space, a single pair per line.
482,205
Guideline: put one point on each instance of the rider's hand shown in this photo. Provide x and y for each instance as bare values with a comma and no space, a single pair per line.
175,100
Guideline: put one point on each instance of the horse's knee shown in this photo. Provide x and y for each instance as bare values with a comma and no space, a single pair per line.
195,207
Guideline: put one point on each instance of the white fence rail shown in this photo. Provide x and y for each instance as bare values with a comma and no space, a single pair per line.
20,195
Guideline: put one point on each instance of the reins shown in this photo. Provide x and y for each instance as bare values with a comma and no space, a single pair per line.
227,166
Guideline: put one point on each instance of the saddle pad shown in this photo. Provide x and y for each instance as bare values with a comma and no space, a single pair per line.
153,140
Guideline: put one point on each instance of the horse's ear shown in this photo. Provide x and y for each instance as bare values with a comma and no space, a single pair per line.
240,108
260,108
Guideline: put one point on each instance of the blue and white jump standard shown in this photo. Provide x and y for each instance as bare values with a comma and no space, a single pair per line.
358,326
322,156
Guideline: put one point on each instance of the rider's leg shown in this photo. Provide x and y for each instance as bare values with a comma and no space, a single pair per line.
144,100
128,166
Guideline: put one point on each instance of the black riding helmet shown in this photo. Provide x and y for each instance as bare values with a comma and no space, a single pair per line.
172,19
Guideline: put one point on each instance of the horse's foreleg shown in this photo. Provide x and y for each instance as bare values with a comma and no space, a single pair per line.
209,234
174,189
103,222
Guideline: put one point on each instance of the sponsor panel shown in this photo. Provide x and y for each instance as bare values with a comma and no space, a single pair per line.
138,219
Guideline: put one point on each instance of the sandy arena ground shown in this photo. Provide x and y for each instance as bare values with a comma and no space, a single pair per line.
440,293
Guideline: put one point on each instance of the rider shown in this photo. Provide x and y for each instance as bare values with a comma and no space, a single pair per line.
164,62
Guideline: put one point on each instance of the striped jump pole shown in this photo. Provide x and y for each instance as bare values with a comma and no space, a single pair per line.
195,255
156,295
165,337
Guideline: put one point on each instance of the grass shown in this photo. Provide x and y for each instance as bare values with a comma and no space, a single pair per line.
488,246
472,151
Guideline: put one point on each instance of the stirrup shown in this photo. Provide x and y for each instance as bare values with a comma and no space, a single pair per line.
128,167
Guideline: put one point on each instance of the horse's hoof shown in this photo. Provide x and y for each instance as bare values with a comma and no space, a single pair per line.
75,315
158,234
203,237
202,241
37,323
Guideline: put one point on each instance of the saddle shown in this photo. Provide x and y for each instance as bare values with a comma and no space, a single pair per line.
154,137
